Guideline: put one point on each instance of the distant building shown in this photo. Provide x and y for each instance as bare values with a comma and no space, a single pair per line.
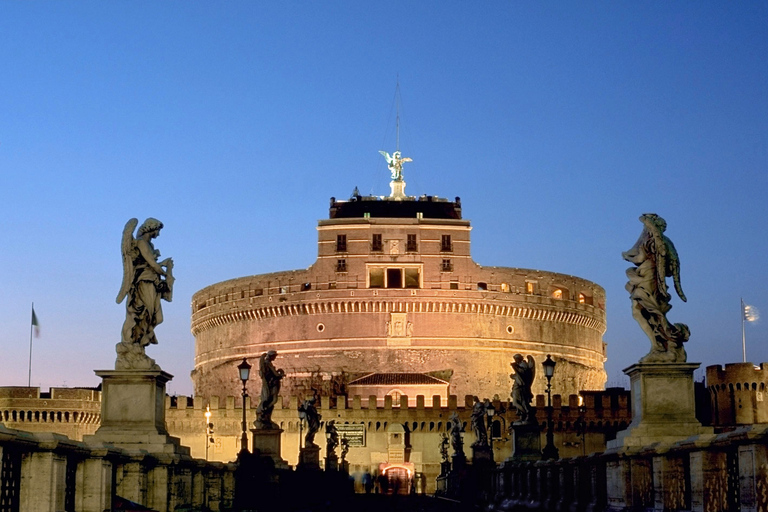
738,395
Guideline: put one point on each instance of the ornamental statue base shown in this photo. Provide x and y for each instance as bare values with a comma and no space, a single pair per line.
482,455
526,442
266,442
663,406
133,412
309,457
332,463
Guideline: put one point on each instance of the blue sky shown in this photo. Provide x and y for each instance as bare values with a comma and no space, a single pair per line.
557,123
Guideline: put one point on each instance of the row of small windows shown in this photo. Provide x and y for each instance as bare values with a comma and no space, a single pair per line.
411,245
397,278
45,416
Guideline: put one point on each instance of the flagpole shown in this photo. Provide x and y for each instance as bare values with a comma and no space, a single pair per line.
31,327
743,336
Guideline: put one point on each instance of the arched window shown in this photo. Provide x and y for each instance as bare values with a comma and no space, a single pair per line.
557,293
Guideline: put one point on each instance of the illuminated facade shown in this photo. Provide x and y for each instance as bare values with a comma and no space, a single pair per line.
394,289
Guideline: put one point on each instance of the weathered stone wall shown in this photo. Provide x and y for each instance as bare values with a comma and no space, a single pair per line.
328,331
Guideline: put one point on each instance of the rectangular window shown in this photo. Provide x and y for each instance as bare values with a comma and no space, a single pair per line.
410,244
454,286
341,265
341,243
394,278
376,243
447,266
412,278
445,244
376,278
530,287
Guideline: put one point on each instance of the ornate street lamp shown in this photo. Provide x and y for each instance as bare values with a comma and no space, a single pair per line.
208,429
245,371
549,452
490,410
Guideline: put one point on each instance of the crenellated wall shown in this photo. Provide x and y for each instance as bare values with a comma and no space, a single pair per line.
737,393
578,429
73,412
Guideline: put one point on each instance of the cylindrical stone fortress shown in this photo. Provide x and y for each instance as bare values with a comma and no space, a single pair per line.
394,289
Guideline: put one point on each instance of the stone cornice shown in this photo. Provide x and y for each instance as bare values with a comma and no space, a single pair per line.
526,312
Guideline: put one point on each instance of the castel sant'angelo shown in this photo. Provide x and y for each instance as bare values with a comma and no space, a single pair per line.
395,305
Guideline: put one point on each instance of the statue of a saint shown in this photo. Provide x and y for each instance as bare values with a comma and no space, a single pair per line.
522,378
308,412
444,443
456,427
344,448
270,389
478,423
395,164
145,281
332,436
655,259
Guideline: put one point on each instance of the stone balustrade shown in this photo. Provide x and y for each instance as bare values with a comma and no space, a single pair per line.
50,472
706,473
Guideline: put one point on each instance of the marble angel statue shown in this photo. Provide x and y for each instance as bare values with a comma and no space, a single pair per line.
655,259
145,282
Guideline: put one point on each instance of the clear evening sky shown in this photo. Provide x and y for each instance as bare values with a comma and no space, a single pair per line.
557,123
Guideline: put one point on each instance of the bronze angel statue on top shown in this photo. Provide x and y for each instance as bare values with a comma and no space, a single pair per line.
655,259
395,164
145,282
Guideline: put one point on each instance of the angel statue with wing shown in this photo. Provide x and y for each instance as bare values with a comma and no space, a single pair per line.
522,381
655,259
395,164
145,282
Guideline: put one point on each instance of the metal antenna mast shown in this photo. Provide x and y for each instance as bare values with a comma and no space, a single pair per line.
397,119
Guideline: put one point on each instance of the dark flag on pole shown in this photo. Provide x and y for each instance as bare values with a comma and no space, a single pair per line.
35,323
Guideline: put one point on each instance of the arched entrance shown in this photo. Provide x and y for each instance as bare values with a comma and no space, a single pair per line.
399,479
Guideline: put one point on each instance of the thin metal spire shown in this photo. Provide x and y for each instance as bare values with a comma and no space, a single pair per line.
397,119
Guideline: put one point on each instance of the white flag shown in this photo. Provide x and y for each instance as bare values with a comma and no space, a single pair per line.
751,314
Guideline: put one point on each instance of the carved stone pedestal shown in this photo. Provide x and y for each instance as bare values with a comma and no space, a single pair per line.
332,463
663,406
266,442
482,455
526,442
309,457
133,412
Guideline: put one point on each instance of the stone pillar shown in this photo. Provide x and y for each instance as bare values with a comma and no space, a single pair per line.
753,477
267,443
198,487
526,442
94,484
132,480
43,482
663,405
133,412
159,488
669,484
709,481
309,457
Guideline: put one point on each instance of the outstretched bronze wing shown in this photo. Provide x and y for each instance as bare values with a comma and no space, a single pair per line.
127,247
